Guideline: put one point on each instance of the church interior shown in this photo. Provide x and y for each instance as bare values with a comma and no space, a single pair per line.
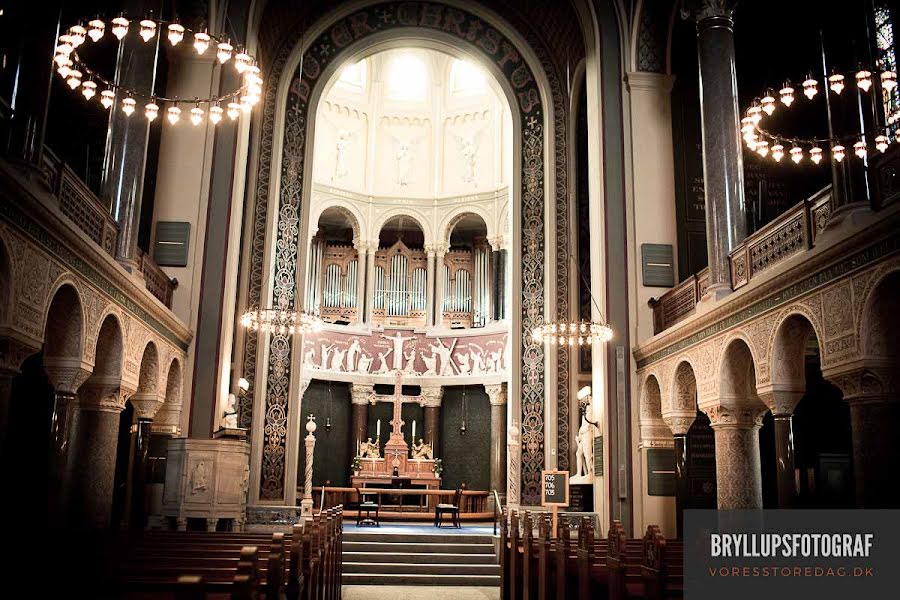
343,299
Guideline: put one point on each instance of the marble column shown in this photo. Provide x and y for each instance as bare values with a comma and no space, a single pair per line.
874,422
306,504
361,278
513,462
497,396
359,397
429,287
680,427
782,404
36,23
738,471
94,434
371,248
726,219
432,433
440,252
146,405
496,281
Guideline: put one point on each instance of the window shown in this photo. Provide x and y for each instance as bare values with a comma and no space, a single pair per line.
466,78
887,59
353,77
407,79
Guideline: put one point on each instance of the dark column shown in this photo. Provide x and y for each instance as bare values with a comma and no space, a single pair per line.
723,170
876,453
38,22
359,428
433,428
497,397
681,482
496,297
141,445
784,456
500,277
126,140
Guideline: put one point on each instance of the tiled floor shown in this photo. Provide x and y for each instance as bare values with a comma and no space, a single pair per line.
390,592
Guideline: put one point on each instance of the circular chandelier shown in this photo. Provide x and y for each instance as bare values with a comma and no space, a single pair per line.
78,74
281,321
767,143
572,333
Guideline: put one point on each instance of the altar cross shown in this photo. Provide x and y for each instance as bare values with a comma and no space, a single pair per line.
397,399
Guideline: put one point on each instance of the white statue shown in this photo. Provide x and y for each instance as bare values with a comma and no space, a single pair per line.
398,341
340,157
493,362
422,450
199,478
468,154
382,364
229,418
464,366
352,351
309,357
410,362
443,352
477,359
364,364
584,453
369,449
404,164
430,363
323,357
337,360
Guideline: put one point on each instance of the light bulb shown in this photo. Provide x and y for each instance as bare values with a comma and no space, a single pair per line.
234,110
747,125
768,103
787,94
196,115
77,35
754,112
242,61
64,48
777,152
859,149
836,83
119,27
247,103
88,89
107,98
888,80
151,111
864,80
215,114
148,29
223,52
201,42
128,105
65,68
96,28
796,154
837,152
176,33
173,114
751,143
762,148
882,142
74,79
810,87
815,154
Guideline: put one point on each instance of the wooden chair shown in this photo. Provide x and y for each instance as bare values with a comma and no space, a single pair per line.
366,505
450,509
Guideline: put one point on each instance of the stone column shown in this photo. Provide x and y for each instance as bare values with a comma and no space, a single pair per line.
432,432
497,395
146,405
359,397
371,248
306,504
513,460
122,186
429,287
738,472
94,433
361,278
680,427
782,404
874,421
440,252
726,219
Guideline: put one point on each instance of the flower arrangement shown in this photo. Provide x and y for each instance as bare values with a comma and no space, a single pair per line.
356,464
438,467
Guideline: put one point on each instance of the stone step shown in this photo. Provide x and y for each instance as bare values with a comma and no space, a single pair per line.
412,579
420,557
418,548
417,538
420,569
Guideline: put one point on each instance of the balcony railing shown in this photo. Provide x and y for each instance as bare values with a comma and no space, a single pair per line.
90,214
794,231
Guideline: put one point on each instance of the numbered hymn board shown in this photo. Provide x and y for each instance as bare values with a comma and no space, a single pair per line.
555,488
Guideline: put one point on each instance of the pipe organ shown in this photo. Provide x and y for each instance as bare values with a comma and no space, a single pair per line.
332,284
467,280
401,286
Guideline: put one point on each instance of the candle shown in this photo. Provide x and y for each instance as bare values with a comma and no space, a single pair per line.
414,432
378,428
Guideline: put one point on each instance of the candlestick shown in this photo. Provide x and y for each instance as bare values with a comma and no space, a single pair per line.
414,432
378,428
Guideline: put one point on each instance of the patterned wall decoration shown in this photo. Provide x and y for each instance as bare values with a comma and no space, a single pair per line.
479,37
653,34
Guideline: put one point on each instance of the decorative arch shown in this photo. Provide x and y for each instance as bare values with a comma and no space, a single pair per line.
148,378
879,326
652,38
452,218
7,279
64,323
358,222
787,347
109,352
408,212
173,383
651,398
736,373
684,388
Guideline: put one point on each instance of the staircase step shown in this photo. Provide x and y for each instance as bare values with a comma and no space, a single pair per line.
420,558
420,569
403,548
417,538
412,579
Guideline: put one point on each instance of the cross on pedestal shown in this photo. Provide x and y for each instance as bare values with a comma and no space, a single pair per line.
397,422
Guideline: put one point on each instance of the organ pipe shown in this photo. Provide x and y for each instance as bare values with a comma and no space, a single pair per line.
380,292
350,299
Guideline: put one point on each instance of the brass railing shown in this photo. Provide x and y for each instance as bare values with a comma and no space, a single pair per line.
472,502
793,232
92,216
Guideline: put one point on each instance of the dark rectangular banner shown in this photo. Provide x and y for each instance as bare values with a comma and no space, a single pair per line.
791,554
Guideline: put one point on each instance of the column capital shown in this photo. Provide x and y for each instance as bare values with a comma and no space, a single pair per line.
365,245
735,417
13,353
304,385
652,82
432,395
866,383
104,394
702,10
67,375
781,402
360,392
439,248
146,404
679,424
496,393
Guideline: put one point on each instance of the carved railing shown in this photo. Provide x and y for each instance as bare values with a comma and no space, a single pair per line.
473,503
793,232
92,216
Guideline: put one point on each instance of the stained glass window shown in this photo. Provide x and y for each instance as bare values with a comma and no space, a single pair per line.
887,61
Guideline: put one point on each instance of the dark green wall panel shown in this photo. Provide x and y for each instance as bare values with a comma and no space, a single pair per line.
466,457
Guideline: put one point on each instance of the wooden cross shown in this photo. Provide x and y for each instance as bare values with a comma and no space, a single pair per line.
398,399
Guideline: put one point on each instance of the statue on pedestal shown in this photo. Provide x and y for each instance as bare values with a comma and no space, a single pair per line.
422,450
584,453
369,449
229,418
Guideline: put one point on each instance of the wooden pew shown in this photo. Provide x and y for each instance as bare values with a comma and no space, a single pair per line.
662,570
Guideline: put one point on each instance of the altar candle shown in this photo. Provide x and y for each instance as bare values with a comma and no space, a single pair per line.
378,428
414,432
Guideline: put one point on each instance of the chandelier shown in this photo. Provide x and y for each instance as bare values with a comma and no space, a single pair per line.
572,333
281,321
78,74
